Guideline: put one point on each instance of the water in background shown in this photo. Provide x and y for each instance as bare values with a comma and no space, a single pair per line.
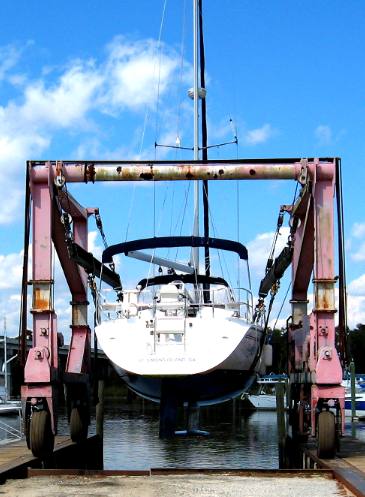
235,441
131,442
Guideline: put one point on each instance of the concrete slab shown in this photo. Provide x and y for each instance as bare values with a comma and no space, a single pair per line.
175,486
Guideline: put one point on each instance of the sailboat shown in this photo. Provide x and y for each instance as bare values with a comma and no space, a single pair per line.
182,336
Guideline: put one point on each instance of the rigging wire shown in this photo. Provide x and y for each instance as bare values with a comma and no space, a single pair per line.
275,287
182,214
146,117
154,208
159,51
182,55
160,218
220,253
282,305
221,256
238,235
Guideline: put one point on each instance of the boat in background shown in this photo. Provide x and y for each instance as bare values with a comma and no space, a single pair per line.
265,398
7,406
359,397
11,407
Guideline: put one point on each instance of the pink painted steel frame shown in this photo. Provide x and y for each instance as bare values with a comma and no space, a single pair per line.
315,361
41,373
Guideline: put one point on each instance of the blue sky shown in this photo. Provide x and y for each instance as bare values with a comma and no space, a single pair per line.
79,80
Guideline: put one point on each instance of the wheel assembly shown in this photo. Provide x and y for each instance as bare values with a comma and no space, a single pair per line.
41,438
326,431
78,425
27,429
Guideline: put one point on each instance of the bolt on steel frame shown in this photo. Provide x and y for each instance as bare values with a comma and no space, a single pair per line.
314,366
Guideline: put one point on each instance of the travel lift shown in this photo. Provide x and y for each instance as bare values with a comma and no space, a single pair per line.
316,404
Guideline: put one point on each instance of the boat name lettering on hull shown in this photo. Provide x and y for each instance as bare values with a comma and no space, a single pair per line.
168,359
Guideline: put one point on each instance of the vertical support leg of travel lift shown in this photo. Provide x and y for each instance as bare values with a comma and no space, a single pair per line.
315,369
327,395
77,375
41,368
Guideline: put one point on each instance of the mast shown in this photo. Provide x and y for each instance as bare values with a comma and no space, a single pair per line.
199,56
206,286
195,250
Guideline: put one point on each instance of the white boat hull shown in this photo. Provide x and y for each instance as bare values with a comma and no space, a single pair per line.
206,344
211,360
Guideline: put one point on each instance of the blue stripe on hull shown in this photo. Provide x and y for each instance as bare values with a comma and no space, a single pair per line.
359,404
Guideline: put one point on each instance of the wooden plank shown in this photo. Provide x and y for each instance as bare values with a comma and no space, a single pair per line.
16,458
348,467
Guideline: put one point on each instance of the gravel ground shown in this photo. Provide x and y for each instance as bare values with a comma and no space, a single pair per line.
175,486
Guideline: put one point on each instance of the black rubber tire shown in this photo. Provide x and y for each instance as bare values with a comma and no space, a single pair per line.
41,438
78,425
326,448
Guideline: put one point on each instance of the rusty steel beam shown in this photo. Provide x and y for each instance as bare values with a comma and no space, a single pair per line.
74,171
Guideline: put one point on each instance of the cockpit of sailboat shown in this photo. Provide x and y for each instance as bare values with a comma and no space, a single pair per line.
180,294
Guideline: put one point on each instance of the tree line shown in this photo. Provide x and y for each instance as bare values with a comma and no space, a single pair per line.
355,349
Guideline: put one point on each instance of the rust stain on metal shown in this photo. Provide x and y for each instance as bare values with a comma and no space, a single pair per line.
41,302
90,173
163,172
325,300
148,176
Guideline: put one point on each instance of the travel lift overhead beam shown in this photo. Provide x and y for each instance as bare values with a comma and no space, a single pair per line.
314,366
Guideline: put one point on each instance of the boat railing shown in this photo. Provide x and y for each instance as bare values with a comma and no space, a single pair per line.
131,302
239,300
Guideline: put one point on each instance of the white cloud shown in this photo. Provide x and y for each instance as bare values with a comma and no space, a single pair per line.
64,103
355,310
259,249
258,135
11,270
358,230
125,80
357,286
359,255
93,246
11,266
11,208
134,72
355,306
9,56
323,134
